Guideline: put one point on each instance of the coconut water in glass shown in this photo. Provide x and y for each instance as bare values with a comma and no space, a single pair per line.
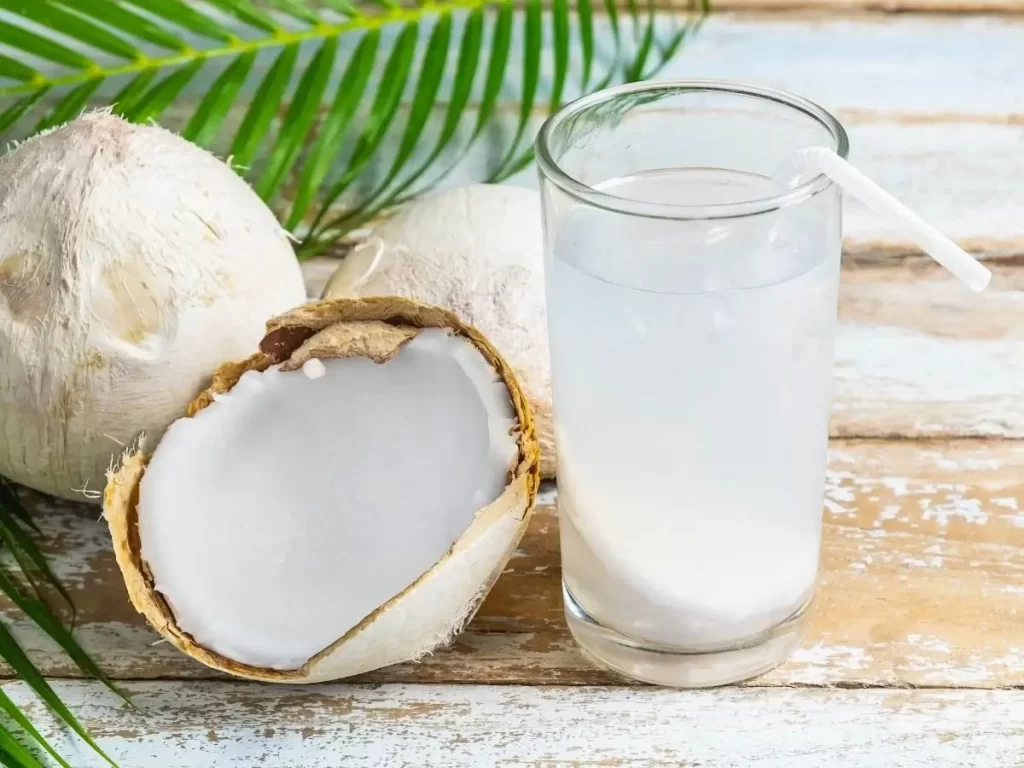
692,311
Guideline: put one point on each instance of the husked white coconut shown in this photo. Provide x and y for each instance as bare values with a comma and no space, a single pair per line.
339,502
131,264
478,251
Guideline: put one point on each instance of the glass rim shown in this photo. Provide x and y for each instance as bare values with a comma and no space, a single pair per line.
551,170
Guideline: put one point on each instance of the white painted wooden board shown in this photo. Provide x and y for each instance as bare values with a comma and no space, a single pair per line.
231,725
917,354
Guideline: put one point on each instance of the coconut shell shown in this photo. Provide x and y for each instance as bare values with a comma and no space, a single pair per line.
442,600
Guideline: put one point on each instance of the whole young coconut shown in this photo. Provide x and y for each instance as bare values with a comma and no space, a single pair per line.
338,502
478,251
131,263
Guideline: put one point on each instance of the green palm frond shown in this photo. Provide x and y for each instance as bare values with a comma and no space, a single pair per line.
335,111
36,573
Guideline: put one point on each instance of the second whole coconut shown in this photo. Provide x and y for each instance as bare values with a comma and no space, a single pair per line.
478,251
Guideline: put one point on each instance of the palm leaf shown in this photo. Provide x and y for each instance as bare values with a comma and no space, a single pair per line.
28,556
465,73
268,98
40,613
299,121
500,45
14,753
532,50
11,710
251,79
431,70
10,761
13,520
15,656
214,107
125,100
382,111
332,131
70,106
9,502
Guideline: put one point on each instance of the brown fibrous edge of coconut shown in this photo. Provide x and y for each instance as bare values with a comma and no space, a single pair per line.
285,336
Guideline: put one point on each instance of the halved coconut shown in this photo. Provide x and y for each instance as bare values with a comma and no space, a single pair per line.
339,502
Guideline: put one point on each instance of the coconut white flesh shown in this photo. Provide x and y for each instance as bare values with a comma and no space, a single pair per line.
295,505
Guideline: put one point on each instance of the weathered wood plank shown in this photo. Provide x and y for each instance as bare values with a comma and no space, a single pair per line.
917,354
922,584
957,174
202,725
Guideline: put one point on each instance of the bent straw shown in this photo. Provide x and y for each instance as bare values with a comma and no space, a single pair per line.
924,235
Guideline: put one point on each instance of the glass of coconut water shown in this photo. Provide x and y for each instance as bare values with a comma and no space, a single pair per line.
692,310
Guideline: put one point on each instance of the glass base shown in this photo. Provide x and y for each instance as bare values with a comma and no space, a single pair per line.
665,665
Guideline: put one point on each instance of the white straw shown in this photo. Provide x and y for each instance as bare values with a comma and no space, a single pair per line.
924,235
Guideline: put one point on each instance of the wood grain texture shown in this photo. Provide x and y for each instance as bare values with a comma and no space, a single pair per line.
922,585
917,354
908,64
231,725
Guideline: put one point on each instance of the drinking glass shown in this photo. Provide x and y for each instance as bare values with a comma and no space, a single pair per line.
692,308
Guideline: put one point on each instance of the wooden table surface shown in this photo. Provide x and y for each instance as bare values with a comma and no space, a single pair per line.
915,650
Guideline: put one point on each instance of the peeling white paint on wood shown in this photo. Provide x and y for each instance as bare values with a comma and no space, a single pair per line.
890,380
918,355
231,725
960,176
